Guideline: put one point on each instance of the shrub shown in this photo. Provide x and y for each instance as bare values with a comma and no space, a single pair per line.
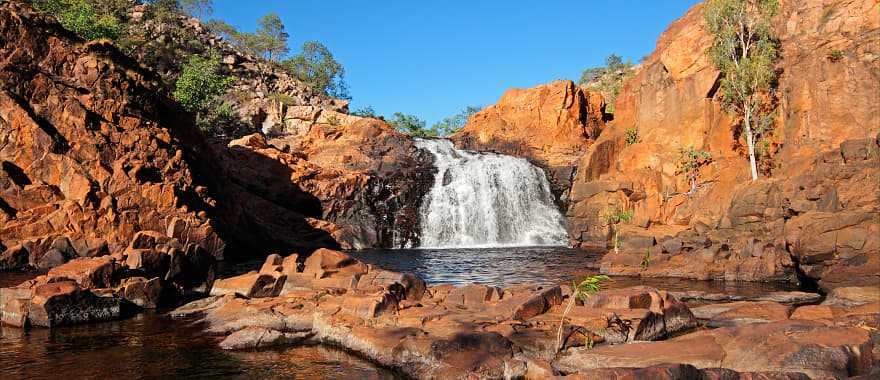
454,123
835,55
81,17
608,79
580,290
200,84
632,136
689,163
365,112
411,125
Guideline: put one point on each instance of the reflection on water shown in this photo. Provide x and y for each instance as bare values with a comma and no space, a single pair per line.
537,265
154,346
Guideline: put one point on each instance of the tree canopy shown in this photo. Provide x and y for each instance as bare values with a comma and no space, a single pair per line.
315,66
745,52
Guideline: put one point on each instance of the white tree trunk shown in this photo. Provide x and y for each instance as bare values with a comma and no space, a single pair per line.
751,141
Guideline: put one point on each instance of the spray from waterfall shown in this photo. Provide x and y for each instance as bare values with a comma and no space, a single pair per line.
487,200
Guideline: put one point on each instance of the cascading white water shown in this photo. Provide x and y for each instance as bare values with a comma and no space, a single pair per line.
487,200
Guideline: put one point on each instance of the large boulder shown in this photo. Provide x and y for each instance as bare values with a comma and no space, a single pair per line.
66,303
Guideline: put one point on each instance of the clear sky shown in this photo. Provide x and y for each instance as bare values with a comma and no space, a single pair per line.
433,58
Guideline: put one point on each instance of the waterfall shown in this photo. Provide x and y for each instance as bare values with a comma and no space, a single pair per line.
487,200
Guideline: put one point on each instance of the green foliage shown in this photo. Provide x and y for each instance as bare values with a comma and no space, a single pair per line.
269,41
333,120
835,55
580,291
200,83
745,52
632,136
81,17
454,123
316,67
411,125
646,260
608,79
690,161
365,112
617,215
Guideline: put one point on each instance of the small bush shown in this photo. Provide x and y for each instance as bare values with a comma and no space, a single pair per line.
690,162
646,260
835,55
200,83
365,112
632,136
617,215
81,17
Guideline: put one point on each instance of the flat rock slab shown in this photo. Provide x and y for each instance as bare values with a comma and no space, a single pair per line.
813,348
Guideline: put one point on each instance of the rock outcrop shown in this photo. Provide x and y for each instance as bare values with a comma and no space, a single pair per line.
550,125
90,156
812,217
96,161
481,331
815,212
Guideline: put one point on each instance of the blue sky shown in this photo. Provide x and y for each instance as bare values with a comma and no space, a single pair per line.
432,59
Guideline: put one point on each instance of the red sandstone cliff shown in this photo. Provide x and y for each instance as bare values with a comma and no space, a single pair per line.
551,125
92,153
815,211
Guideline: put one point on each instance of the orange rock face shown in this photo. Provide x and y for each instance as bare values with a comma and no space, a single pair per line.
551,125
817,205
89,154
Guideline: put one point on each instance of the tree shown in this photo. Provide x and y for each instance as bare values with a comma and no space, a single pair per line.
366,111
411,125
316,67
745,52
454,123
271,37
197,8
200,84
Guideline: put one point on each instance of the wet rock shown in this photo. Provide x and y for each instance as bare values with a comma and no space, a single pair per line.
788,298
258,337
89,273
66,303
14,303
144,293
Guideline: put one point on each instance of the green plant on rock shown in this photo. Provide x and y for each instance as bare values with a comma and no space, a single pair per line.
580,291
454,123
690,162
411,125
608,79
200,85
613,217
632,136
365,112
333,120
82,18
316,67
646,260
835,55
745,51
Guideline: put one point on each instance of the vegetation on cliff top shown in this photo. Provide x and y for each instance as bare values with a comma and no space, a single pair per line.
745,51
416,127
608,79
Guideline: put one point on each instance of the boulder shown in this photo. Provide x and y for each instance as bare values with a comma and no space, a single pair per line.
89,273
145,293
259,337
66,303
743,312
251,285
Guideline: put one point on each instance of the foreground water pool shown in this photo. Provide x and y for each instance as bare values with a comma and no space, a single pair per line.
152,345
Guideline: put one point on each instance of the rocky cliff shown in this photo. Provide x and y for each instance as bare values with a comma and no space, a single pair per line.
93,153
551,125
814,214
